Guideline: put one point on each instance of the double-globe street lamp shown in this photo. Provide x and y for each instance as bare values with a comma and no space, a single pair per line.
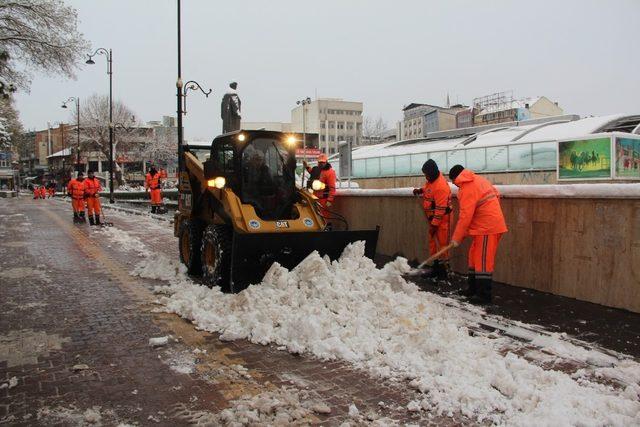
64,105
109,55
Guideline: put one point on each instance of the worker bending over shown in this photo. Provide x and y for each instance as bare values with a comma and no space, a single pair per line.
92,189
75,189
481,218
153,185
436,202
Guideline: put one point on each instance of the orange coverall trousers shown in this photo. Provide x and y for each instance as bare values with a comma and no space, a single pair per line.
439,238
93,206
77,205
156,196
482,254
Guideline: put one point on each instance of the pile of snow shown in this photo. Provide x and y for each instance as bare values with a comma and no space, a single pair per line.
350,310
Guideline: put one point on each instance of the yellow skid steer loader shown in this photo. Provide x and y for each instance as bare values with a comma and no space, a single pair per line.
240,211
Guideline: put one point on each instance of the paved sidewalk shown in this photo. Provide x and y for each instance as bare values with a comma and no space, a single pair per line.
76,328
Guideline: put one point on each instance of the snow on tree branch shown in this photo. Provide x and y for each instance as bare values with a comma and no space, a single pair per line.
40,35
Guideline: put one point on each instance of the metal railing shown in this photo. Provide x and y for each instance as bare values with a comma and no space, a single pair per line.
502,158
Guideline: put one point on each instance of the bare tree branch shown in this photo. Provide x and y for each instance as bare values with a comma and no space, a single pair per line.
38,35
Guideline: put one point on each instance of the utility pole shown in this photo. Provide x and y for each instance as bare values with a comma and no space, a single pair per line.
304,102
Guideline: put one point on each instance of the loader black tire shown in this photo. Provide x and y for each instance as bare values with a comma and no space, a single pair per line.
216,257
190,243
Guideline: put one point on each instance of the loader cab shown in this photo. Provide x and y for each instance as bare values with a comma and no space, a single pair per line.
259,166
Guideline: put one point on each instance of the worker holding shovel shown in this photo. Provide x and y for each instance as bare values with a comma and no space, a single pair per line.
480,218
436,202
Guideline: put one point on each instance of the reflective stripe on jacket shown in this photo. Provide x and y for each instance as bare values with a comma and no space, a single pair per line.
92,186
76,189
436,200
480,211
152,181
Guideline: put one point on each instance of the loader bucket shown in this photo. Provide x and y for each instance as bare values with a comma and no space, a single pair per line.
254,253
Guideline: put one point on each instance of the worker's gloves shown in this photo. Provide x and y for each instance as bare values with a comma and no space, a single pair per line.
328,204
455,244
417,191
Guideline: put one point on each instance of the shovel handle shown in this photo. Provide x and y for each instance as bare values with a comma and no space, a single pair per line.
436,255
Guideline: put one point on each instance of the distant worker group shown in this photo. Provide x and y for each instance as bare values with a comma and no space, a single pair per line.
480,217
85,195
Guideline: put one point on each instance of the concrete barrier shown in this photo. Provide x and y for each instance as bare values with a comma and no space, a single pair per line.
579,241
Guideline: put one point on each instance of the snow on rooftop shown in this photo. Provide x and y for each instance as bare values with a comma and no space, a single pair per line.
571,129
61,153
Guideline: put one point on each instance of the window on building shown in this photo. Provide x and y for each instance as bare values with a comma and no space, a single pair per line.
332,150
340,125
332,138
332,125
322,138
322,125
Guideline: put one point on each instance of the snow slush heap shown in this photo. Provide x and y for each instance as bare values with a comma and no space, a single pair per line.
350,310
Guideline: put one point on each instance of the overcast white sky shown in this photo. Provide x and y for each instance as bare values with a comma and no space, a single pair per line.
583,54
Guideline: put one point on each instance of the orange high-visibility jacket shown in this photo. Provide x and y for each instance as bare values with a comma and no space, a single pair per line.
328,178
436,200
152,181
75,188
480,211
92,187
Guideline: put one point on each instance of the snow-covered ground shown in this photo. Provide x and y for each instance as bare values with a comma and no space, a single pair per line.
377,321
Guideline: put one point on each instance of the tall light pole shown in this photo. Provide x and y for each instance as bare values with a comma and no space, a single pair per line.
181,94
64,105
304,102
179,100
109,55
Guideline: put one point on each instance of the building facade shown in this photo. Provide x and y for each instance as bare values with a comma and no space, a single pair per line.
327,121
421,119
500,108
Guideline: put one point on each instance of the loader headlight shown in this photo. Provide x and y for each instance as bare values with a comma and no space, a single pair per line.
218,182
317,185
241,137
291,140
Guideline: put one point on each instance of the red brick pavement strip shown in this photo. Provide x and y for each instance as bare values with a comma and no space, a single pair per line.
107,317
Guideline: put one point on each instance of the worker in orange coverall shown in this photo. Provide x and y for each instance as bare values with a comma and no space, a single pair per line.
436,202
326,175
75,189
92,189
480,218
153,185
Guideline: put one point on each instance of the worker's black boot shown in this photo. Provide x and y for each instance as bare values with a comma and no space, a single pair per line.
434,273
471,285
443,272
83,219
153,209
483,296
98,220
91,221
75,218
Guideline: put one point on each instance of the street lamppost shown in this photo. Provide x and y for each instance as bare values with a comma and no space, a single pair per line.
304,102
192,85
109,55
181,92
64,105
